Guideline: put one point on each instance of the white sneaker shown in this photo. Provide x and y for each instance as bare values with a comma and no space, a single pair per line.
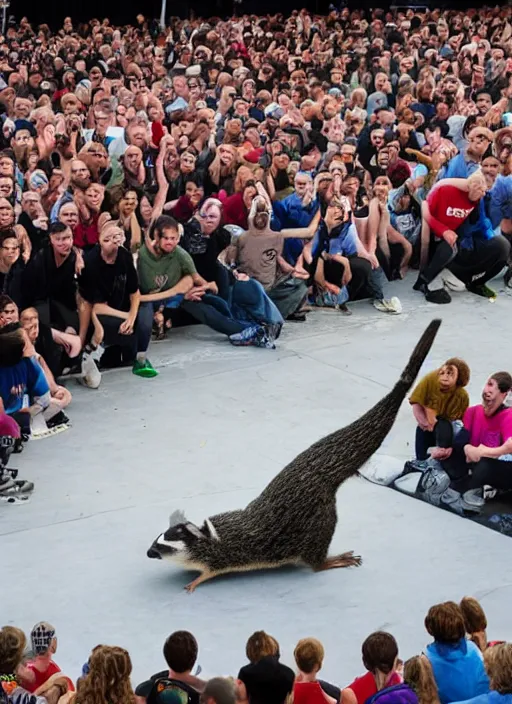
392,305
91,375
451,281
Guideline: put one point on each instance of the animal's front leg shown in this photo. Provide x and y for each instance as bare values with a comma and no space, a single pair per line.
203,577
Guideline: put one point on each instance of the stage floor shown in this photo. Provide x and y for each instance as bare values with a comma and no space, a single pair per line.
206,436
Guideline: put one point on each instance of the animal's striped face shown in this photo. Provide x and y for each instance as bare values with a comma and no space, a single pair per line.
177,540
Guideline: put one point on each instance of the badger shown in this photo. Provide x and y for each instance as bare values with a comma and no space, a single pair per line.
293,520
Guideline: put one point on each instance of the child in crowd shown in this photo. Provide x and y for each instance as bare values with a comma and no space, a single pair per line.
44,646
309,657
456,662
475,621
380,657
439,399
419,676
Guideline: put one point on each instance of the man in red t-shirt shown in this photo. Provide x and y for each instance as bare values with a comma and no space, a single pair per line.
447,207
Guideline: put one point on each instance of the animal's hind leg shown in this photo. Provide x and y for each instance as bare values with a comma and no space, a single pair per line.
346,559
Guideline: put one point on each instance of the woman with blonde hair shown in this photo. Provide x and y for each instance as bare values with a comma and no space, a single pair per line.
419,676
108,679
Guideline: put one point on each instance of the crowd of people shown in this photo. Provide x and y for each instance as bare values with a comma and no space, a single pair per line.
239,173
458,665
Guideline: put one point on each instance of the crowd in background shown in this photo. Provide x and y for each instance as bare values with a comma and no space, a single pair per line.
239,173
460,664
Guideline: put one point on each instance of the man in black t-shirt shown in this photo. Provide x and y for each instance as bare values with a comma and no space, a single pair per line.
50,281
109,287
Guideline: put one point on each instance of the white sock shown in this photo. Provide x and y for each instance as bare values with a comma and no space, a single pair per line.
141,356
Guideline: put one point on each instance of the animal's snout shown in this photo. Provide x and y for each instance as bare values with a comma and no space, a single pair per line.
153,553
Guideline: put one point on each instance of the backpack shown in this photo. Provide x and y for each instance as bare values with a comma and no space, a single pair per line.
185,693
398,694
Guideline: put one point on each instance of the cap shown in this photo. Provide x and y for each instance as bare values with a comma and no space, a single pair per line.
41,637
24,125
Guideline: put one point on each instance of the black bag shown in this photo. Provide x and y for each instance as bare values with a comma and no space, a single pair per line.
186,693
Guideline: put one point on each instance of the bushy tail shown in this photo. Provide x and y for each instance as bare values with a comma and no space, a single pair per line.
345,451
418,356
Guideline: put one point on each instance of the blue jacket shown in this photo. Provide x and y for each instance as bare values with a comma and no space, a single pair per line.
472,228
490,698
458,670
289,213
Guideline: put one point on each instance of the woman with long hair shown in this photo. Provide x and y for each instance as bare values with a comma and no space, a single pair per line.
419,676
108,678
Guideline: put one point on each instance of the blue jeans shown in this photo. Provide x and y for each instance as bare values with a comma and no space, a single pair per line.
145,318
250,302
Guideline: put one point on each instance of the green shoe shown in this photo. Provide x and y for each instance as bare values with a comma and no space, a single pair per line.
144,369
483,291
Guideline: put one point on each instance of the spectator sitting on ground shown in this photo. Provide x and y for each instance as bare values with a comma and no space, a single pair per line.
265,682
439,399
419,676
107,679
219,690
21,376
456,662
60,396
309,656
380,654
180,653
476,623
498,664
481,450
12,646
41,666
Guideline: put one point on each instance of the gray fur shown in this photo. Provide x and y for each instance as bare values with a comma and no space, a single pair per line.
294,518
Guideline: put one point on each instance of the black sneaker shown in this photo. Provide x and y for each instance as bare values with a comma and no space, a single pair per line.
297,317
59,419
508,277
440,295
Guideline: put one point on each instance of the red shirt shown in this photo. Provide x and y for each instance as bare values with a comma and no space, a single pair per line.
449,207
40,675
86,235
365,687
308,693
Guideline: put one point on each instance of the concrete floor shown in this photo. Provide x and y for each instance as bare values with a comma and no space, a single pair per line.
206,436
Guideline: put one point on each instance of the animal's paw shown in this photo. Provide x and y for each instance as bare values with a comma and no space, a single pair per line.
190,588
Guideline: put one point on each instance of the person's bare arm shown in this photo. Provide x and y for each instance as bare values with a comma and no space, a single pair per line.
504,449
126,328
303,233
84,317
183,286
348,696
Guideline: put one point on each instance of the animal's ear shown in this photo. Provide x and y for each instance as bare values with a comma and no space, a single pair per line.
209,530
194,530
176,518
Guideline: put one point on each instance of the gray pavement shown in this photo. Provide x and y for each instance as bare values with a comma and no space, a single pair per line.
206,436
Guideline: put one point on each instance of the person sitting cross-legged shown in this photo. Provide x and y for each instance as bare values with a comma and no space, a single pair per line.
109,289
